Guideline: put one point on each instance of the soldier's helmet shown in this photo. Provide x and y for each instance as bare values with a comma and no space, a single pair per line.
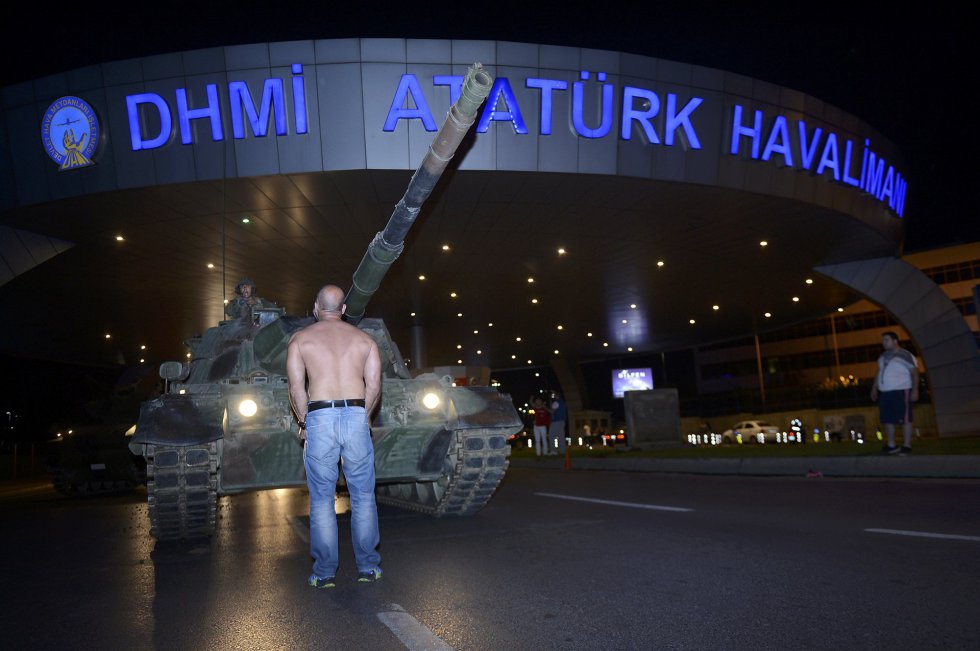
243,282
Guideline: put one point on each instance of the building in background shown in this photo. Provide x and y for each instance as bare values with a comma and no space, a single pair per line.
829,361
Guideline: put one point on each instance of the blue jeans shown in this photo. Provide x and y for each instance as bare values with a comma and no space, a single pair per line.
341,432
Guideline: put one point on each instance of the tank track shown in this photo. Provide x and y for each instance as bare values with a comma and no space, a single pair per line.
182,490
474,466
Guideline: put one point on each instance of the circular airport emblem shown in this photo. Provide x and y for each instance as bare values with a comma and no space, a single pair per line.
70,132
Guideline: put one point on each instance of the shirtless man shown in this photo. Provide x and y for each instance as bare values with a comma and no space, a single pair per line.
344,370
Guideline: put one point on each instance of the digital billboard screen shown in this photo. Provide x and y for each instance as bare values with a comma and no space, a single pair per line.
631,379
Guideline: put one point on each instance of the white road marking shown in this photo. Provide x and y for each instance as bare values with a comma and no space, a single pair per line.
299,528
632,505
925,534
412,633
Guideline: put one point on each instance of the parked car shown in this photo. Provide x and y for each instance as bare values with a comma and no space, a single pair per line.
617,437
751,431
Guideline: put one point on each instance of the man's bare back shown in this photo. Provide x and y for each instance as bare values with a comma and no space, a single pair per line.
340,361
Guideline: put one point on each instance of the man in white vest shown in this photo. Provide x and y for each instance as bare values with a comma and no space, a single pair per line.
896,388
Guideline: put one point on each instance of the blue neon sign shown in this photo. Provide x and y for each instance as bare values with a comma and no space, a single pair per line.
244,113
595,107
875,177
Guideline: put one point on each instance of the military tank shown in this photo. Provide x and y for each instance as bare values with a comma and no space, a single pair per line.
224,424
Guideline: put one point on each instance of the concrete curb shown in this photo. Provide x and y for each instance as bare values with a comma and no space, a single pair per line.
931,466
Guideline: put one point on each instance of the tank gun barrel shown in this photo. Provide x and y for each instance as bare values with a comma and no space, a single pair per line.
388,244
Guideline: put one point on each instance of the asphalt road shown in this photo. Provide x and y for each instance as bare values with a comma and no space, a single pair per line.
653,562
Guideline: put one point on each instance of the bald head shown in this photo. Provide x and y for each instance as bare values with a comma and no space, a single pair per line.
329,301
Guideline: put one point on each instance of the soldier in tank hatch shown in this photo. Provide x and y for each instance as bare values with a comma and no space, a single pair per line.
245,299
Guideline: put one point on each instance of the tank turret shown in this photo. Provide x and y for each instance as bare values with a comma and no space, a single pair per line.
224,423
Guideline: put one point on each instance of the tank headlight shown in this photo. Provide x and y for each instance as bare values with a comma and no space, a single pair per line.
431,400
247,408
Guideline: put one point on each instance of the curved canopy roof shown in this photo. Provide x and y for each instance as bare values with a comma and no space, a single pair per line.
297,210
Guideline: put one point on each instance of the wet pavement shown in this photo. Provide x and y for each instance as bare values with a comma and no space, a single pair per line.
951,466
557,560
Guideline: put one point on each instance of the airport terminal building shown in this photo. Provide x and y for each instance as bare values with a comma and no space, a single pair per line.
607,204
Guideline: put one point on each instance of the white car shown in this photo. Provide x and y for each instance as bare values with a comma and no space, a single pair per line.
751,431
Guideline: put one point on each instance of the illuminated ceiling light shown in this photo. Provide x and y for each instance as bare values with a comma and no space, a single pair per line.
452,295
445,247
556,351
513,356
632,306
210,265
796,299
530,280
660,263
561,251
479,352
120,238
459,361
528,361
476,332
422,277
143,347
108,336
188,355
490,325
459,346
840,309
246,220
588,334
691,321
517,339
629,349
534,301
459,314
536,374
142,360
412,314
768,314
809,281
715,307
625,321
605,344
763,243
561,327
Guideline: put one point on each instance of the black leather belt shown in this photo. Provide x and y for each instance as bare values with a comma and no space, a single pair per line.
328,404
